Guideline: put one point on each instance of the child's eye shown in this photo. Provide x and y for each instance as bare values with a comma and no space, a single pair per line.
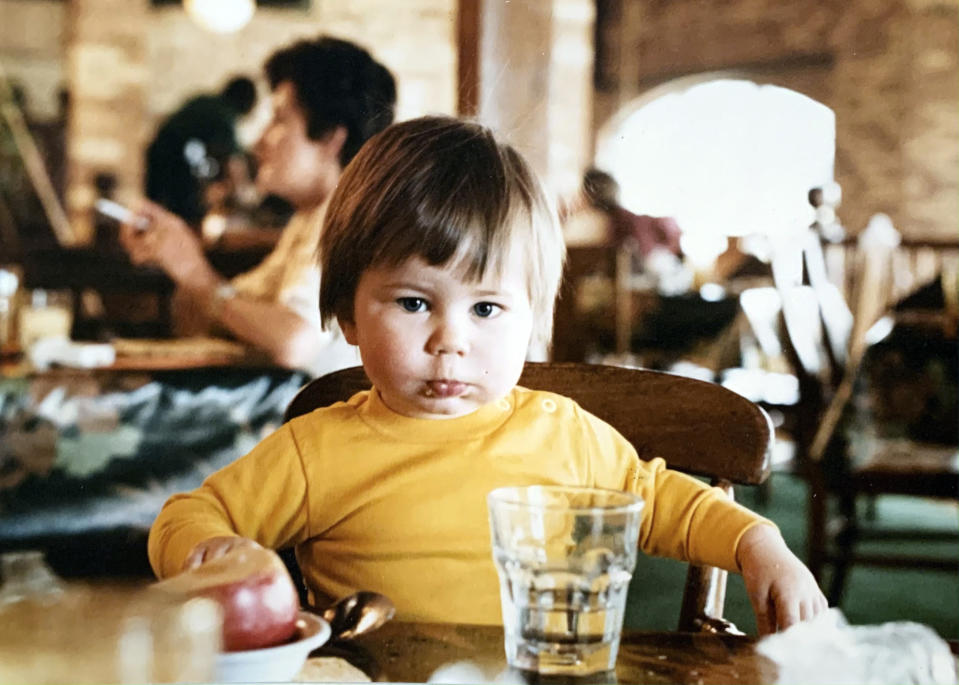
412,304
486,309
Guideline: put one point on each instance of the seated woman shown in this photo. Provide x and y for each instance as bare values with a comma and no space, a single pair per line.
329,96
598,218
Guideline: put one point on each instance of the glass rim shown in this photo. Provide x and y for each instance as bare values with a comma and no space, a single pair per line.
500,497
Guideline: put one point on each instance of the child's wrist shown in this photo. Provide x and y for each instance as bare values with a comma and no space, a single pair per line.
762,535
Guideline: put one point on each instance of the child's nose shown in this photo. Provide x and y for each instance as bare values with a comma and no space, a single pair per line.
449,337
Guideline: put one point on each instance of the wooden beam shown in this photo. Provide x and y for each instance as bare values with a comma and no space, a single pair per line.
468,19
33,163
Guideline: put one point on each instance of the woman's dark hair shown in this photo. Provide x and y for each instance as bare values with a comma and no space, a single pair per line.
337,84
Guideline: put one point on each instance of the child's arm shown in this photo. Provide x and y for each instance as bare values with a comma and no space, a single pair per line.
780,588
258,499
683,518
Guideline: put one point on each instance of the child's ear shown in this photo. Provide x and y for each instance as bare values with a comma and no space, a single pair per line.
349,331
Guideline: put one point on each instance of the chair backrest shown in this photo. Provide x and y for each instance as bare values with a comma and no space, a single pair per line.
841,338
698,427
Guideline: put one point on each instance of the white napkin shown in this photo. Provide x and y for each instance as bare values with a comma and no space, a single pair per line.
829,650
59,350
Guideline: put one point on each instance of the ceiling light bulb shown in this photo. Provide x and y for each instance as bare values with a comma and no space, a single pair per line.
220,16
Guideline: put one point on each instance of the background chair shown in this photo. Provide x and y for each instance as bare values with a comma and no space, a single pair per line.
700,428
848,445
861,450
574,331
795,341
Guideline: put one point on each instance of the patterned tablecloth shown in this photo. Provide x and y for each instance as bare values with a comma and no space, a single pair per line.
83,452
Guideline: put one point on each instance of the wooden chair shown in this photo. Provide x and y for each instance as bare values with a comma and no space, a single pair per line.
700,428
801,327
839,471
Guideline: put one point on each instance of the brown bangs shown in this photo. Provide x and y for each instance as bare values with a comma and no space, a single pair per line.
458,219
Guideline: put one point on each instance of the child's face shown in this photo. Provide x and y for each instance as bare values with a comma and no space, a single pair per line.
436,345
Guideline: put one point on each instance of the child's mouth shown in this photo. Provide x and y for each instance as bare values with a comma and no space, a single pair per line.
445,388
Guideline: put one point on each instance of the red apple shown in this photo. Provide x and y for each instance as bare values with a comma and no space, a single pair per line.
253,587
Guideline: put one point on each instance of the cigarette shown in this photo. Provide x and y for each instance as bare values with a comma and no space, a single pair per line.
117,211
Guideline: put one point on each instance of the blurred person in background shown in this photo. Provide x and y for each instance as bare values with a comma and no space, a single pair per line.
196,146
328,96
601,219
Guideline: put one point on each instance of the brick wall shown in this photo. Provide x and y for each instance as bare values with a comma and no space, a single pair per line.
888,69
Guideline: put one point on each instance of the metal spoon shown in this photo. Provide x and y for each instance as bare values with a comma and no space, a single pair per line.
358,613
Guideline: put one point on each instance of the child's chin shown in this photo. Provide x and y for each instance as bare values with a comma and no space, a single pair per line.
448,408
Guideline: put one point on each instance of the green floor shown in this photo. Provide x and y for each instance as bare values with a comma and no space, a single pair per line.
873,595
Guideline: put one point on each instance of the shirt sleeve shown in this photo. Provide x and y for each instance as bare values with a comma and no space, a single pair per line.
261,496
687,519
683,518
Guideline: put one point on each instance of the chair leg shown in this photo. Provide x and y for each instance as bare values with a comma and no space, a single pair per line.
764,493
816,522
872,510
846,541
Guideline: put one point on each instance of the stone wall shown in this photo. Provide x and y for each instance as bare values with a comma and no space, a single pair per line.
107,74
32,44
417,44
888,69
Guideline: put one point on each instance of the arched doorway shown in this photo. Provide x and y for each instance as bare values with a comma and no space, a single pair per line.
723,155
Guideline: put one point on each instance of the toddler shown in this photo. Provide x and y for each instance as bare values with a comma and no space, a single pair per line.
441,259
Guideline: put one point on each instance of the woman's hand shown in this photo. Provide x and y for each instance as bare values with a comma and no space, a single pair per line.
781,589
169,244
214,548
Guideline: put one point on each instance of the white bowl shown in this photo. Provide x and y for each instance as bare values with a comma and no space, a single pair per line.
274,664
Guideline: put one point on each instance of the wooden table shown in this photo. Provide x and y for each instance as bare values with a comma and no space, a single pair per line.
412,652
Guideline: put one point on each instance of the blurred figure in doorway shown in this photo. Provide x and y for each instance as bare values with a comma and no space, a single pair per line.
596,218
617,225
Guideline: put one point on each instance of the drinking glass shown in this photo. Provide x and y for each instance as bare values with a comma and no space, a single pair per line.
9,309
565,556
47,314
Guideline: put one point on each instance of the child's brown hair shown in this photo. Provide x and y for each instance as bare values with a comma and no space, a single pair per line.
447,191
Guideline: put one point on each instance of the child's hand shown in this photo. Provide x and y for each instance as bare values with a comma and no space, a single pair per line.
781,589
214,548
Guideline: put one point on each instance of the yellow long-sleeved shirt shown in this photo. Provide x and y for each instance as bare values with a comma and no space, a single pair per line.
377,501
